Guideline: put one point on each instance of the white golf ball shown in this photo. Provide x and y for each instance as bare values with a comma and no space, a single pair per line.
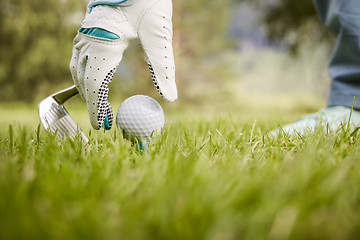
140,117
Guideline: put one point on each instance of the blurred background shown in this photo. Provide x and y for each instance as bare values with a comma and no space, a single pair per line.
229,54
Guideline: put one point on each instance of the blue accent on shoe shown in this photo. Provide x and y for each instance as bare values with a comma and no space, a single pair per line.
106,123
99,32
106,2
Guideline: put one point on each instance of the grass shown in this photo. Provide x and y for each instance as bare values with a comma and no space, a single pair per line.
214,177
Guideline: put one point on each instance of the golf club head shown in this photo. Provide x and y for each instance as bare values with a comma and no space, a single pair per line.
55,117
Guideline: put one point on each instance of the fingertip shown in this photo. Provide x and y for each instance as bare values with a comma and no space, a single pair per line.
169,93
171,99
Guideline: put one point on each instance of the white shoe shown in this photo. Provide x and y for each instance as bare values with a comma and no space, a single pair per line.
332,118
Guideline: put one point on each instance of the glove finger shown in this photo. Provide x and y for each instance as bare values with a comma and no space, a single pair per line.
155,34
95,69
105,113
97,91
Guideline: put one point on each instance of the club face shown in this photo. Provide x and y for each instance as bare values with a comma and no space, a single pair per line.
54,116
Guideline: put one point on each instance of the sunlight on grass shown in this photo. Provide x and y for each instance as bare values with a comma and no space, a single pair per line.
213,173
218,177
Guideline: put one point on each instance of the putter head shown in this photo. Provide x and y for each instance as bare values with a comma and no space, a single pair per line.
55,117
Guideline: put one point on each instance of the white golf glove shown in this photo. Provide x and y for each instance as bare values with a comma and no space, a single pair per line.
95,58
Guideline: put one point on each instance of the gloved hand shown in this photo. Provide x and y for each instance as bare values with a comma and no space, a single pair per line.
99,45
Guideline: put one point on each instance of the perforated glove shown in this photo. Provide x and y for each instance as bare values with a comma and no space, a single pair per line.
96,57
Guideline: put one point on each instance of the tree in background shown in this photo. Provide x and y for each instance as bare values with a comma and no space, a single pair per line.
35,45
201,38
292,23
36,41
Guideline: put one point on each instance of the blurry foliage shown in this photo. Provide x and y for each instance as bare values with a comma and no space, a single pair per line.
35,45
292,23
200,39
201,26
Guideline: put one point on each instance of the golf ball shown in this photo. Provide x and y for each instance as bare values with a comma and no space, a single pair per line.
140,117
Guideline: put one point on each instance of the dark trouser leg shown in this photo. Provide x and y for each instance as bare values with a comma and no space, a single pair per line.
342,17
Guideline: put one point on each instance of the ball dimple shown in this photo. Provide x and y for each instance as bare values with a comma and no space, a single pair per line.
140,117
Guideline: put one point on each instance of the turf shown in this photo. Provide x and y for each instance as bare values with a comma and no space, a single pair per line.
218,177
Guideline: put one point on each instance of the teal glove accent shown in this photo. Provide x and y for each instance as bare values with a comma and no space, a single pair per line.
106,2
107,123
99,32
